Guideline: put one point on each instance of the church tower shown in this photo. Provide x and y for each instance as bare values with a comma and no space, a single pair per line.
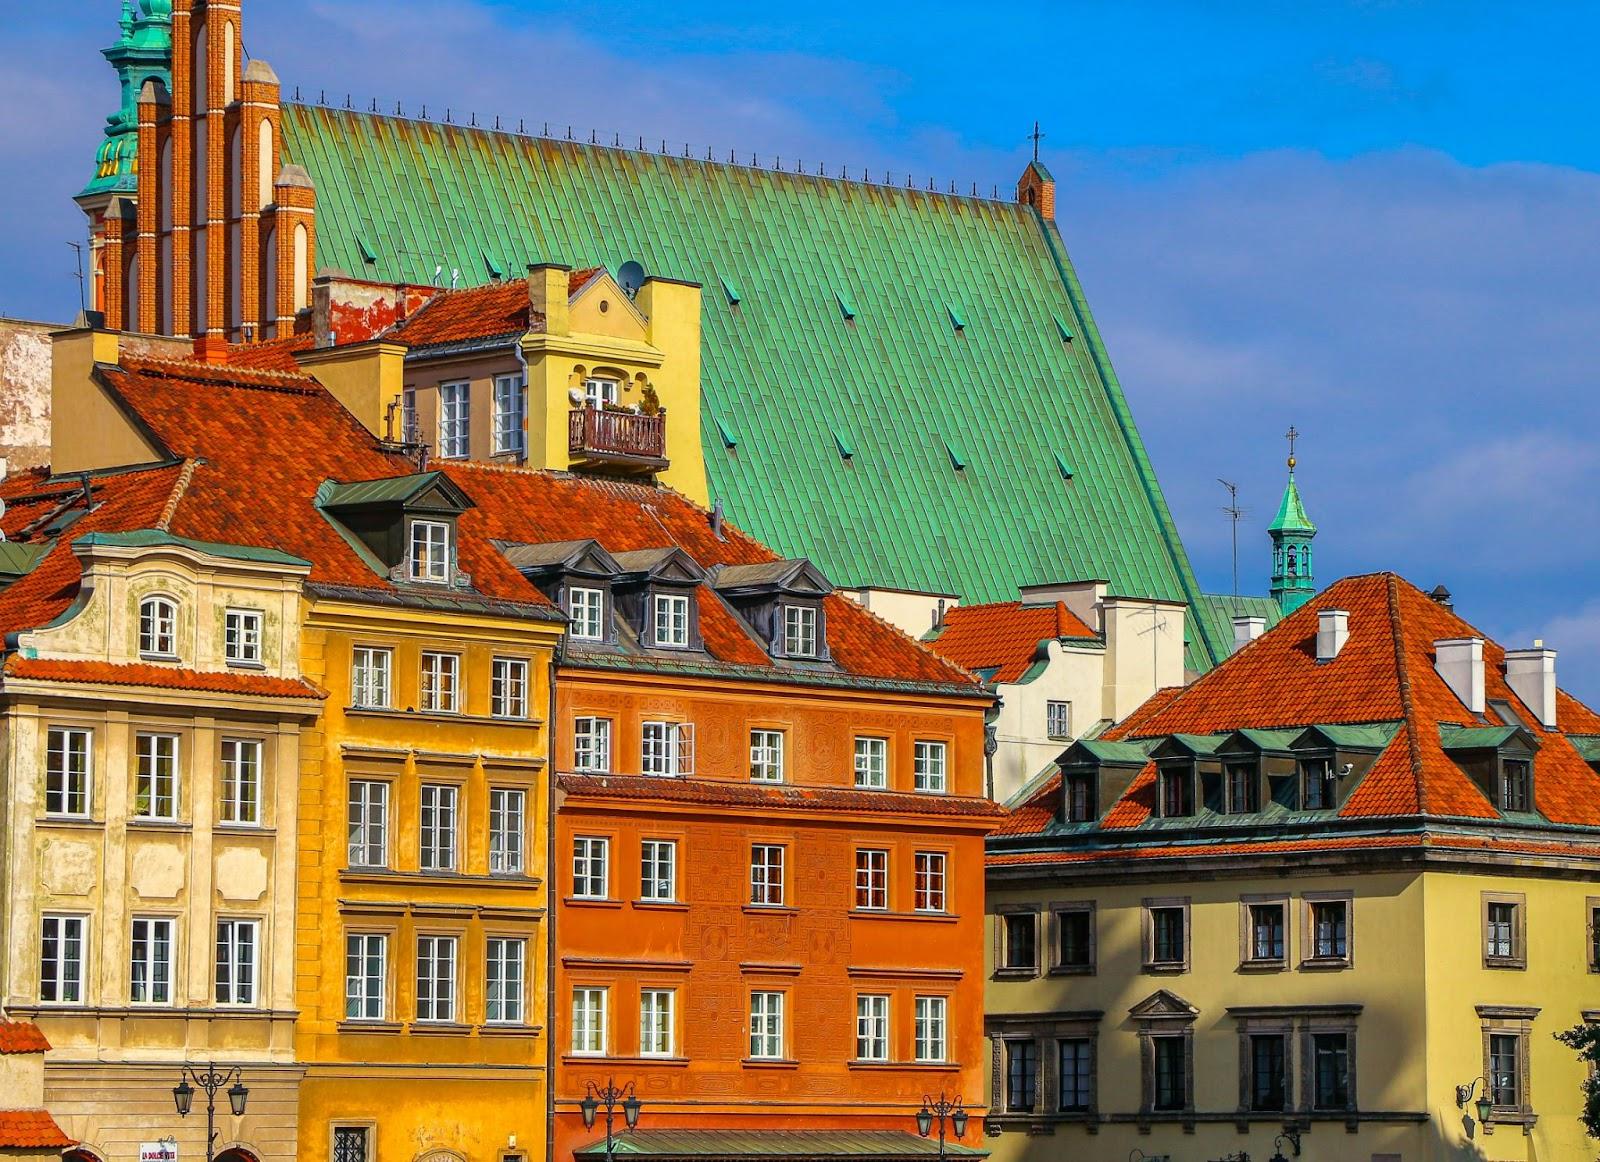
1292,533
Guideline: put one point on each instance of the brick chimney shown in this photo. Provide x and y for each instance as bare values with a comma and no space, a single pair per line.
1037,188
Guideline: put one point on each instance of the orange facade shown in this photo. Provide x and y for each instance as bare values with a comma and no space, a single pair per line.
678,975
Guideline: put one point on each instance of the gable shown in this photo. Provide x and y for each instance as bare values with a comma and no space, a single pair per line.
601,308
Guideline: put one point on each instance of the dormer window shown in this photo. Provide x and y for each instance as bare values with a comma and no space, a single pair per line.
158,628
1516,785
586,607
1240,787
1318,790
800,631
782,603
670,614
430,551
1176,786
1079,795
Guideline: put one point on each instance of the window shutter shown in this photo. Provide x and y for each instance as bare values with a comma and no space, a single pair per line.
686,748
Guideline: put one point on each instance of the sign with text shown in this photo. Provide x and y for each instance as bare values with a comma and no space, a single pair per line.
158,1152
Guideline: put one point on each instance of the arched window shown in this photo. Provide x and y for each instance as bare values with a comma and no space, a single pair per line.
158,627
1293,561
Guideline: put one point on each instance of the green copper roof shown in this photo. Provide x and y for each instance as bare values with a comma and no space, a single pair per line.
829,355
1214,614
158,538
1370,736
1291,516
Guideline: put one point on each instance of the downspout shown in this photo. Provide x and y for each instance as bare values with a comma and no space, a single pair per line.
552,896
522,362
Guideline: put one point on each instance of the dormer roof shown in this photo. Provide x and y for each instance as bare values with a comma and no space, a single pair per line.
428,492
797,577
669,564
584,558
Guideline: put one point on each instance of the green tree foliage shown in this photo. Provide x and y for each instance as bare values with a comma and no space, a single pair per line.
1585,1038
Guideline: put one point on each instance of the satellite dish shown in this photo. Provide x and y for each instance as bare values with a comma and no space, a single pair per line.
631,277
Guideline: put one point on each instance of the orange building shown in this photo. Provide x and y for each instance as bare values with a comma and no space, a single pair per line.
768,841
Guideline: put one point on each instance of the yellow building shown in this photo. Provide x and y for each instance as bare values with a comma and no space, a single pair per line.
1290,909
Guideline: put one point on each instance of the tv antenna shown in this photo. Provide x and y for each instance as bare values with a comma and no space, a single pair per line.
83,298
1235,514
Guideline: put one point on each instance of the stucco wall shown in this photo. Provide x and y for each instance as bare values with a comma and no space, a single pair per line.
25,392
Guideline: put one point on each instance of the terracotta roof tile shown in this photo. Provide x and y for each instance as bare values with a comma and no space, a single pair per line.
21,1037
483,312
271,354
162,677
1181,849
1005,636
1573,717
31,1130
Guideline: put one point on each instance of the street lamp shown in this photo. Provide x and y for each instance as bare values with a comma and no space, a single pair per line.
1484,1105
212,1080
1291,1134
944,1110
612,1098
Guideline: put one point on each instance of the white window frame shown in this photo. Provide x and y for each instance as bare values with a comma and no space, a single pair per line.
872,763
508,813
508,688
591,745
591,1019
510,414
241,635
670,619
766,1025
767,872
367,993
938,889
438,826
666,749
242,766
149,764
367,817
658,871
598,392
586,608
931,1030
371,677
931,767
505,980
70,973
766,756
158,628
429,552
238,961
591,867
801,631
658,1017
872,878
455,420
150,969
69,772
437,958
872,1027
441,682
1058,720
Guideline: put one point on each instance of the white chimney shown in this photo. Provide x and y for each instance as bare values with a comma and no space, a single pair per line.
1531,674
1460,663
1333,630
1246,630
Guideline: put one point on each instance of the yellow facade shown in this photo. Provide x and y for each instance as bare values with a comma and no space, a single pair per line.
449,1088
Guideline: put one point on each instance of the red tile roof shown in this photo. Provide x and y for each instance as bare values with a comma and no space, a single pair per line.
162,677
21,1037
1181,848
1005,636
483,312
31,1130
271,354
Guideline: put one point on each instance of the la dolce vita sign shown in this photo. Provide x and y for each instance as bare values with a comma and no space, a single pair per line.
158,1152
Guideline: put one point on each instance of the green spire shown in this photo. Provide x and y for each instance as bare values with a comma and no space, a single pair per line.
1292,532
142,53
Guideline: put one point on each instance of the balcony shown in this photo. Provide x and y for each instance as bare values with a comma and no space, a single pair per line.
617,441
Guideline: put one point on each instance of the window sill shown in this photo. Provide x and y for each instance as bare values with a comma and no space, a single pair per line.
1325,964
241,664
509,1030
438,1029
881,1066
159,825
174,658
243,829
1263,965
769,1063
1505,962
1027,973
590,902
379,875
74,822
920,917
661,905
1072,970
641,1061
382,1027
769,910
1165,968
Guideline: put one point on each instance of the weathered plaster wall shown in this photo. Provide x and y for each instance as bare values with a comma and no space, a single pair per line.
25,392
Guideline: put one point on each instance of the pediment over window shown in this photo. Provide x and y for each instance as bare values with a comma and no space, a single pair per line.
796,578
782,604
433,493
584,560
1186,746
1163,1005
659,566
657,595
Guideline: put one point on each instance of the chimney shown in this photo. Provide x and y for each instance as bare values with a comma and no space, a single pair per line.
1460,663
1531,674
548,298
1246,630
1333,630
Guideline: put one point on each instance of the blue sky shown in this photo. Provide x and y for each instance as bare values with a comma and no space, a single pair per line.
1376,220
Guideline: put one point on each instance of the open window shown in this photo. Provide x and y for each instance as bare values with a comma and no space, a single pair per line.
783,604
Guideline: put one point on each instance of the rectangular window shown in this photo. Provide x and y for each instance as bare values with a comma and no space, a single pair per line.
1168,938
872,880
241,636
1504,1077
238,947
1330,930
589,1021
441,682
1022,1076
369,677
1241,782
150,973
156,791
928,882
158,628
438,827
872,763
658,871
1177,793
430,551
366,975
1171,1088
1502,933
591,745
799,631
241,781
410,425
67,767
1058,720
766,1026
930,1034
928,767
1076,1074
510,414
1330,1054
369,824
1080,799
599,392
506,830
1019,941
1266,933
586,609
872,1028
672,621
507,972
591,867
508,688
1267,1061
766,875
657,1022
667,749
1075,940
766,756
1594,937
351,1144
436,978
62,953
455,420
1516,785
1318,791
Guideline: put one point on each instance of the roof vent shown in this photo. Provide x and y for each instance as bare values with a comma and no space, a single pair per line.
1460,663
1246,630
1531,674
1442,595
1333,630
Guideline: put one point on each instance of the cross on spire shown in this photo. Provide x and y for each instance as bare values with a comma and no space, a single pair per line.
1292,436
1036,137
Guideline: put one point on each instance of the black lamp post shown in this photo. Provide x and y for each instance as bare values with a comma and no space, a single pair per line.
611,1099
1484,1105
942,1110
1291,1134
212,1080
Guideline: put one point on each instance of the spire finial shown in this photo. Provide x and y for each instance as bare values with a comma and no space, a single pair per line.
1036,137
1292,436
127,19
